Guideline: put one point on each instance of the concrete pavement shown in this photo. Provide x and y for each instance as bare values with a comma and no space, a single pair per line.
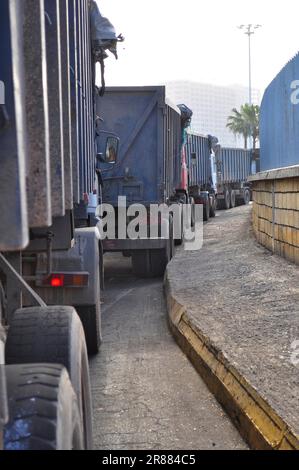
234,310
146,393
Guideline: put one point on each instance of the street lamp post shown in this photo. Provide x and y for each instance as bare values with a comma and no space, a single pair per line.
249,29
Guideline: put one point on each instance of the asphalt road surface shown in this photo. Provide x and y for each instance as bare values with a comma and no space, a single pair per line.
146,393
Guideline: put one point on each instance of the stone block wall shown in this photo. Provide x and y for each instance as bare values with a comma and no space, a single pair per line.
276,211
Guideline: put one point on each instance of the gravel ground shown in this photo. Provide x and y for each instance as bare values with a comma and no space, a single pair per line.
246,300
146,393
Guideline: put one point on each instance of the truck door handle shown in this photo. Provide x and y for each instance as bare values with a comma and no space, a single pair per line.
4,117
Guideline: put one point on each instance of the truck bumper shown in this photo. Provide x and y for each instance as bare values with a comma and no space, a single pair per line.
132,245
83,257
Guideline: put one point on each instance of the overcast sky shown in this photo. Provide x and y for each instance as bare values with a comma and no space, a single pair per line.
199,40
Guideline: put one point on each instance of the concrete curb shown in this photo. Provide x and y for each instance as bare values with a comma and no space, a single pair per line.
257,422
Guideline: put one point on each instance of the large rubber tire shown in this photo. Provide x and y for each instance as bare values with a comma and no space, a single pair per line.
43,409
220,204
213,208
182,201
226,199
101,267
232,197
152,263
206,211
247,196
54,335
149,263
171,253
192,203
90,316
179,241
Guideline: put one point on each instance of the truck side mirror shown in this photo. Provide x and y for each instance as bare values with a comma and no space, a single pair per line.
112,147
107,148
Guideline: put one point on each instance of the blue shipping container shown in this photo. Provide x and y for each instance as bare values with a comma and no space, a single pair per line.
199,160
233,165
279,121
149,128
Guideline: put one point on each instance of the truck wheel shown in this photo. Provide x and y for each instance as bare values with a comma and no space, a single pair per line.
226,199
171,253
54,335
232,199
101,266
213,208
90,316
141,263
246,196
43,409
152,263
149,263
179,241
220,204
206,211
192,204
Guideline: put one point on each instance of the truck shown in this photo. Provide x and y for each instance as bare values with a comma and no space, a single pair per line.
50,248
233,166
148,170
200,151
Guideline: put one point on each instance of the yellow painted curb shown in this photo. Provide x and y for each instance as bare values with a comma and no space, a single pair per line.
257,422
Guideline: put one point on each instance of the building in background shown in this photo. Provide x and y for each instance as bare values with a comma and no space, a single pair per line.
211,106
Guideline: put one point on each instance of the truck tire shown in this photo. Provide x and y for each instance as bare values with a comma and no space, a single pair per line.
179,241
152,263
220,204
101,266
206,211
149,263
247,196
90,316
171,240
192,204
43,409
226,199
54,335
213,208
232,199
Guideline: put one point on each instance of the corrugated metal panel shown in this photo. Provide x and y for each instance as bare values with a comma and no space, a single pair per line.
54,80
173,140
66,104
39,203
48,118
279,122
74,95
85,104
150,134
200,172
13,152
234,165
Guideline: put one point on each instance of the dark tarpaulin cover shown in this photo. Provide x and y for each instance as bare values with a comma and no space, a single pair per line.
101,28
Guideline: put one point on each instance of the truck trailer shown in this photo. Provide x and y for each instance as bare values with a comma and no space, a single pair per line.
50,248
200,151
233,167
148,170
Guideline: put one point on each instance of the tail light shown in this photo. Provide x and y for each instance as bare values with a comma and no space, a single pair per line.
58,280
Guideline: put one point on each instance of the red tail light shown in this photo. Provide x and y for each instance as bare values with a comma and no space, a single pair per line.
58,280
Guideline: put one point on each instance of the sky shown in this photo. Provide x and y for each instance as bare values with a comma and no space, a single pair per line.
199,40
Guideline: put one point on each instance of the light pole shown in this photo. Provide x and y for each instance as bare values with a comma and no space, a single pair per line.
249,29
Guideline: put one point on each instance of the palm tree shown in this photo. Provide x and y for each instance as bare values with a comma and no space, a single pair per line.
251,115
245,122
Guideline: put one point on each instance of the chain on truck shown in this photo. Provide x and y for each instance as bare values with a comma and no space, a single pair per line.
50,252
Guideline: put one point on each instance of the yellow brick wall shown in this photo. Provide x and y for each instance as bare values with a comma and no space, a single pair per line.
276,216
